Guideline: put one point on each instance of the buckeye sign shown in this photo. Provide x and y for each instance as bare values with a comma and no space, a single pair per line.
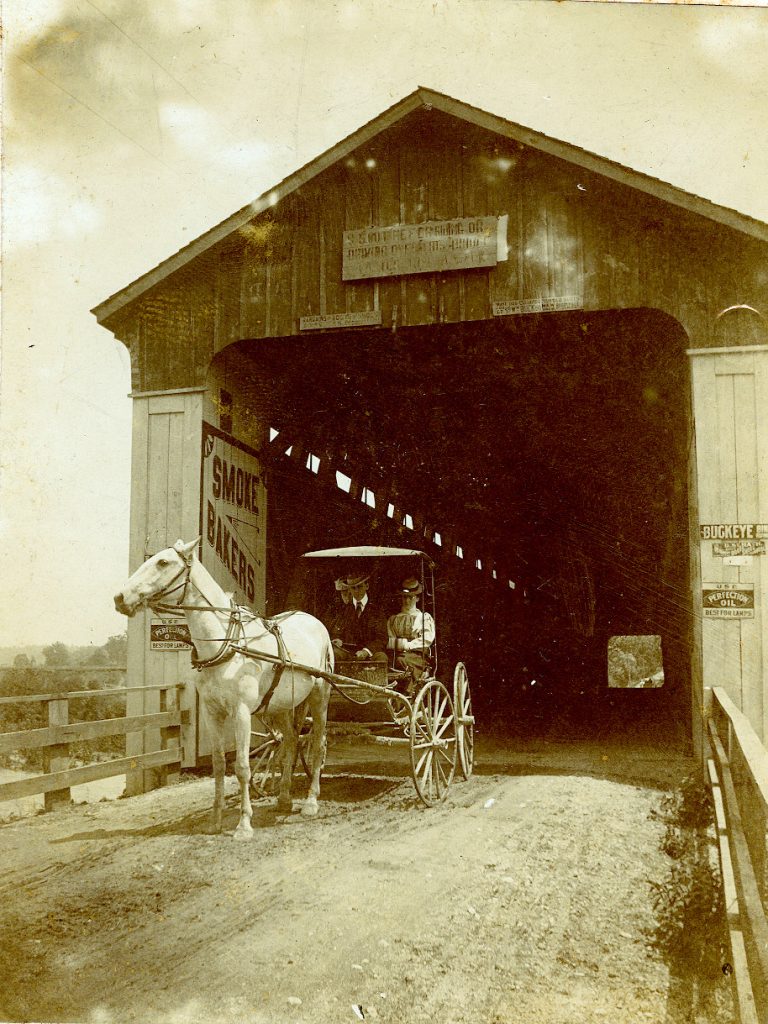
234,511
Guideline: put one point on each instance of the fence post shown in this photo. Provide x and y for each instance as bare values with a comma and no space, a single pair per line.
170,737
56,757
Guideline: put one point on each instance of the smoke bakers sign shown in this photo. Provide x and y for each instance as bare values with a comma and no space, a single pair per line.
422,248
234,511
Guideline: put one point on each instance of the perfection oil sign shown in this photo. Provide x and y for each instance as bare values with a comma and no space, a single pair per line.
234,517
728,600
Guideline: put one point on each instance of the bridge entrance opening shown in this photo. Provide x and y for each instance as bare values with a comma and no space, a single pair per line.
541,460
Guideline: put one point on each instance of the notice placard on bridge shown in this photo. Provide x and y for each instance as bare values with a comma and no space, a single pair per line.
437,245
734,531
728,600
169,635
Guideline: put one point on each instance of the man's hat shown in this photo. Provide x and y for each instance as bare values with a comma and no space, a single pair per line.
356,581
410,586
341,583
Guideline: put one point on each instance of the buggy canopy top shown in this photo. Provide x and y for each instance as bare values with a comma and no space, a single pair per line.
369,551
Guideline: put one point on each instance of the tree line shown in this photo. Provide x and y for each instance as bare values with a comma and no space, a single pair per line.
64,669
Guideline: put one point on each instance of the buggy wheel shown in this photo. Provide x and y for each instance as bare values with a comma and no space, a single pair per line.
433,742
265,761
465,721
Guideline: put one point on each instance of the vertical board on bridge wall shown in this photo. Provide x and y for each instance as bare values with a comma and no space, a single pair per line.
698,713
165,506
730,392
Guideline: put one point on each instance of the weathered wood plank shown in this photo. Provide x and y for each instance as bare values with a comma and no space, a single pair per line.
536,269
474,201
42,698
386,210
740,982
88,773
56,755
752,914
415,168
359,199
445,204
332,214
505,278
32,739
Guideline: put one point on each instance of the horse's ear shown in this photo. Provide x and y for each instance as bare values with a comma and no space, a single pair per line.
186,550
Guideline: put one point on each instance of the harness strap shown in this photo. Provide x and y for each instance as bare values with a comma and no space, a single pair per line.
274,628
226,651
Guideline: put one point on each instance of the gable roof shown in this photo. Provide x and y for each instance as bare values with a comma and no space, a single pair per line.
428,99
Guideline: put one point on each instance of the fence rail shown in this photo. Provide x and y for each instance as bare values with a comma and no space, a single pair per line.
738,775
58,778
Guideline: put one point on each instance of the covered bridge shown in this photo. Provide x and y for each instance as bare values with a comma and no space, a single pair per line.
453,332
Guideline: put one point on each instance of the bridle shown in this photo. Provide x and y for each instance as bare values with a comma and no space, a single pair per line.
231,642
163,607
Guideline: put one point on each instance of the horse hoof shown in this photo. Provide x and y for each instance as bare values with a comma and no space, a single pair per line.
284,806
242,832
309,810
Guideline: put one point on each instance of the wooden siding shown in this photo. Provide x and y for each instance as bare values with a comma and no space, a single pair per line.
730,392
570,231
165,505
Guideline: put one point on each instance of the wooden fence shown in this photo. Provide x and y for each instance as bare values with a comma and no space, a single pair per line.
60,732
738,775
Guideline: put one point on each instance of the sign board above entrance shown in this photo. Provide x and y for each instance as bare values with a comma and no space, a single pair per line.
509,307
436,245
369,318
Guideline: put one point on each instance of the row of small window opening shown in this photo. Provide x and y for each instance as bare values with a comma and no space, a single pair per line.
367,496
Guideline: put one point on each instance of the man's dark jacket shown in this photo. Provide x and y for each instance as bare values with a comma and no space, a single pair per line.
367,630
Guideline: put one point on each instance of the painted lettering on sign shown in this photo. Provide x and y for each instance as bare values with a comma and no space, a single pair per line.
734,531
169,635
728,600
729,548
234,516
545,304
459,244
367,318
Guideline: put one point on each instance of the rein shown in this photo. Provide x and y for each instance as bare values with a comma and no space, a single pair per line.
235,641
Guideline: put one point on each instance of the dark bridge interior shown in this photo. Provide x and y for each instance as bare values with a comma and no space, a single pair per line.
553,448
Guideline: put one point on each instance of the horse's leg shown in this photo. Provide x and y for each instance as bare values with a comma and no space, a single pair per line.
284,803
318,703
216,731
243,770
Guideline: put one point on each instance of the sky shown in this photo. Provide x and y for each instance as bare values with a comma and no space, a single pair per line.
130,127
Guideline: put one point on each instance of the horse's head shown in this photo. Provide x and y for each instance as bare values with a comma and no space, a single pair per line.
162,577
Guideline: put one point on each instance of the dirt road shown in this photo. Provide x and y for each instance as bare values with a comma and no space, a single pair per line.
524,898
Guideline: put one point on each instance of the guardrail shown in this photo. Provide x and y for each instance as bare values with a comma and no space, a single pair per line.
738,775
58,778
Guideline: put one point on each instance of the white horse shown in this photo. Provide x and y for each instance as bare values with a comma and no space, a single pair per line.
233,685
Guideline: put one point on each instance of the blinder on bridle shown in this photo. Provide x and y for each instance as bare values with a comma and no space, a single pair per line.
156,603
